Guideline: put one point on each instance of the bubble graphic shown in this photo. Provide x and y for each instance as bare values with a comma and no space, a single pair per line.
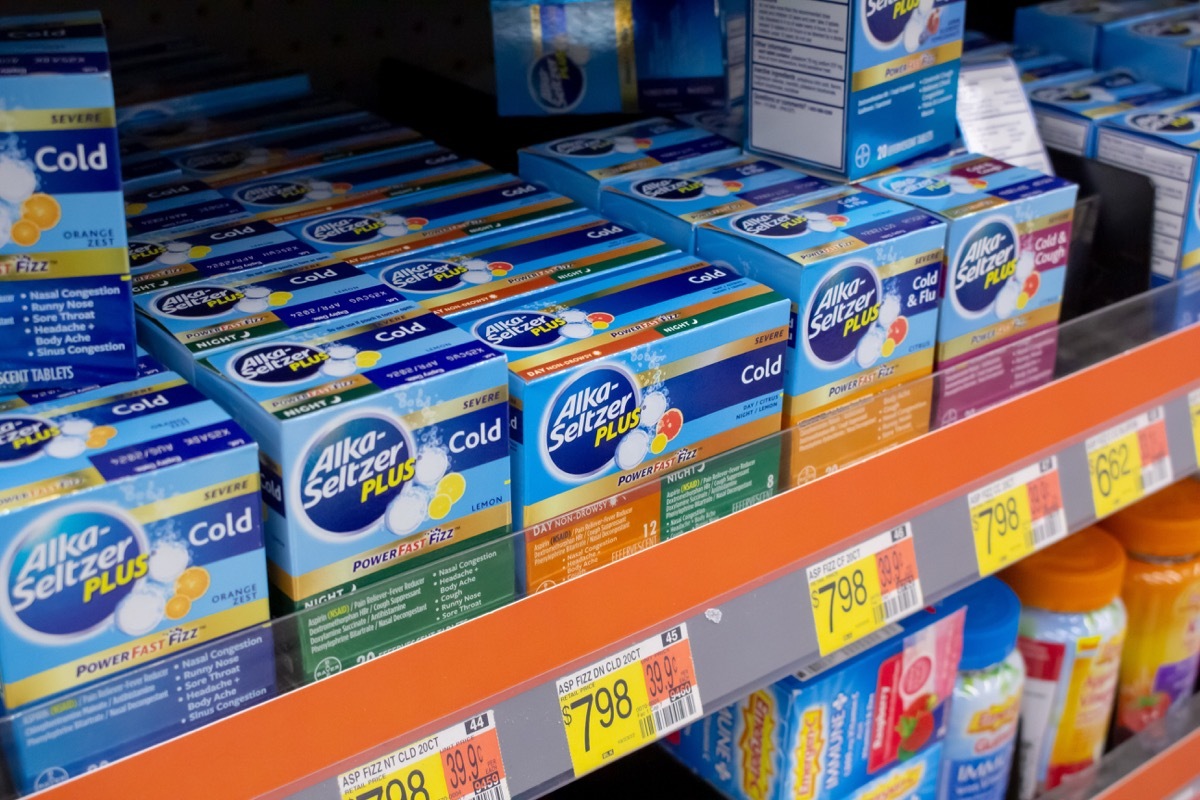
76,427
17,180
140,612
338,368
870,348
168,560
654,405
432,464
66,447
251,305
632,449
576,330
257,292
406,513
341,352
890,310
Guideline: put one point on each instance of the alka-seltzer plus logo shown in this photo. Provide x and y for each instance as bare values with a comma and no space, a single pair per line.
69,570
424,275
23,438
756,745
556,82
586,419
668,189
1170,124
587,147
272,193
277,364
985,261
352,470
215,161
196,302
520,330
840,313
1170,28
771,224
345,229
886,19
919,187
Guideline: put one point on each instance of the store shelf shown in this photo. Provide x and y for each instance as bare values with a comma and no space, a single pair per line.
748,567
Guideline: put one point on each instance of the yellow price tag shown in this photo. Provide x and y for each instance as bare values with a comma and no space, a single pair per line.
1128,461
1194,408
1016,515
858,591
462,762
629,699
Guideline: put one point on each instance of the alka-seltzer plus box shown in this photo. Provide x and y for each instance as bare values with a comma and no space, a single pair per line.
671,205
408,224
1162,142
851,88
196,201
1006,258
580,166
862,273
465,275
1164,47
384,446
65,309
865,723
618,381
132,530
184,323
193,204
1069,111
1077,28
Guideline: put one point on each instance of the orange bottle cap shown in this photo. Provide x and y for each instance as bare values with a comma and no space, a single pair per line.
1165,524
1081,573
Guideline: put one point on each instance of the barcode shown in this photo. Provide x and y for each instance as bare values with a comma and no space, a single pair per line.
1156,475
674,712
647,726
493,793
905,598
742,505
1049,528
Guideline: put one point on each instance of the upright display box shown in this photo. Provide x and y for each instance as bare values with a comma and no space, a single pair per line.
66,310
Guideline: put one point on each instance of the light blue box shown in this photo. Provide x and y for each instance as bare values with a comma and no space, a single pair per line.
580,166
856,267
408,224
185,323
1036,66
604,56
1160,141
236,248
1078,28
1069,111
291,195
595,369
1009,229
865,722
673,204
1164,47
210,92
852,88
730,124
461,277
132,531
360,422
65,303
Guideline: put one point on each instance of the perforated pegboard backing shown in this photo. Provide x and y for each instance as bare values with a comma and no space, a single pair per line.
339,42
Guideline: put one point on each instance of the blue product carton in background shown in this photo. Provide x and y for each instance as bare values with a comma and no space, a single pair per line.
210,90
1069,110
602,56
158,491
580,166
865,722
183,323
1160,141
730,124
1164,47
462,276
408,224
384,440
65,301
672,204
862,273
241,247
1077,28
853,88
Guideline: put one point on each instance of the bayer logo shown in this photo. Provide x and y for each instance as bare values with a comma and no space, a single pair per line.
862,156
